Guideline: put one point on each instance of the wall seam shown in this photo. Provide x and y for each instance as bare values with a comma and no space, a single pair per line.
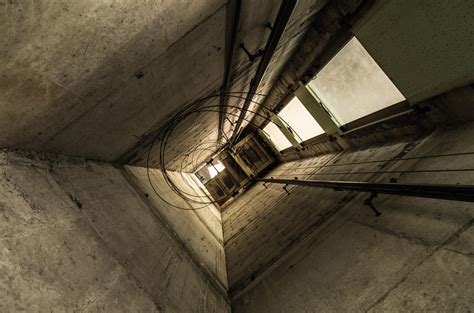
451,238
214,281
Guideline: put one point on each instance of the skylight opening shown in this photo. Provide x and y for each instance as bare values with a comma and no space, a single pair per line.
352,85
276,136
215,169
300,120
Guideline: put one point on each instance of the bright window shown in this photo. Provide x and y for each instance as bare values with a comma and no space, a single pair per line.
300,120
352,85
215,169
276,136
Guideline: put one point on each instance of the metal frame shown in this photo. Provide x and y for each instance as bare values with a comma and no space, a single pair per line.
232,25
278,28
314,107
287,132
246,165
432,191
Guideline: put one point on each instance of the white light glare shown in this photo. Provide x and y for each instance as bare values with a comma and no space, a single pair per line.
215,169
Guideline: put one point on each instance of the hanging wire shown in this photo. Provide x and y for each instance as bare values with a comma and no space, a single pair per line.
195,154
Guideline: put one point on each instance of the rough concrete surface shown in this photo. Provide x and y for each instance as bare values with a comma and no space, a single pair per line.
76,235
254,34
200,230
51,258
99,79
347,272
417,256
421,45
443,283
93,79
254,236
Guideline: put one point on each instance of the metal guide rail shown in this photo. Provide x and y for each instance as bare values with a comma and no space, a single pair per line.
433,191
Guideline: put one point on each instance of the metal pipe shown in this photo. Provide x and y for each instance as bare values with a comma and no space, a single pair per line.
233,17
284,13
433,191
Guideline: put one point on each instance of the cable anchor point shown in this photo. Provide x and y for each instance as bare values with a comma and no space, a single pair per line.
252,56
368,202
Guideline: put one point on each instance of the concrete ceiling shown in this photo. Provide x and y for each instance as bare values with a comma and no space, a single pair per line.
96,78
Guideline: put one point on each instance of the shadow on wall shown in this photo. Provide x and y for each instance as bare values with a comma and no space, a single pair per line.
77,70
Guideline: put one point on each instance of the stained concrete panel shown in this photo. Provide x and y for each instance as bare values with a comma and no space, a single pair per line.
78,233
51,259
62,60
200,230
442,283
349,271
184,72
254,34
423,46
267,216
464,243
93,79
262,225
403,215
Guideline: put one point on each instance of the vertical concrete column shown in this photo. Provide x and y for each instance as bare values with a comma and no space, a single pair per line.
317,111
286,131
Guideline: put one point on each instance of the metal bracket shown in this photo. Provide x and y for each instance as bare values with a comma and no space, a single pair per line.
231,123
254,56
369,203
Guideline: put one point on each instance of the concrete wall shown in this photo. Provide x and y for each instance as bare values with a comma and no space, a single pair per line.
199,230
444,110
423,46
106,76
75,235
417,256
